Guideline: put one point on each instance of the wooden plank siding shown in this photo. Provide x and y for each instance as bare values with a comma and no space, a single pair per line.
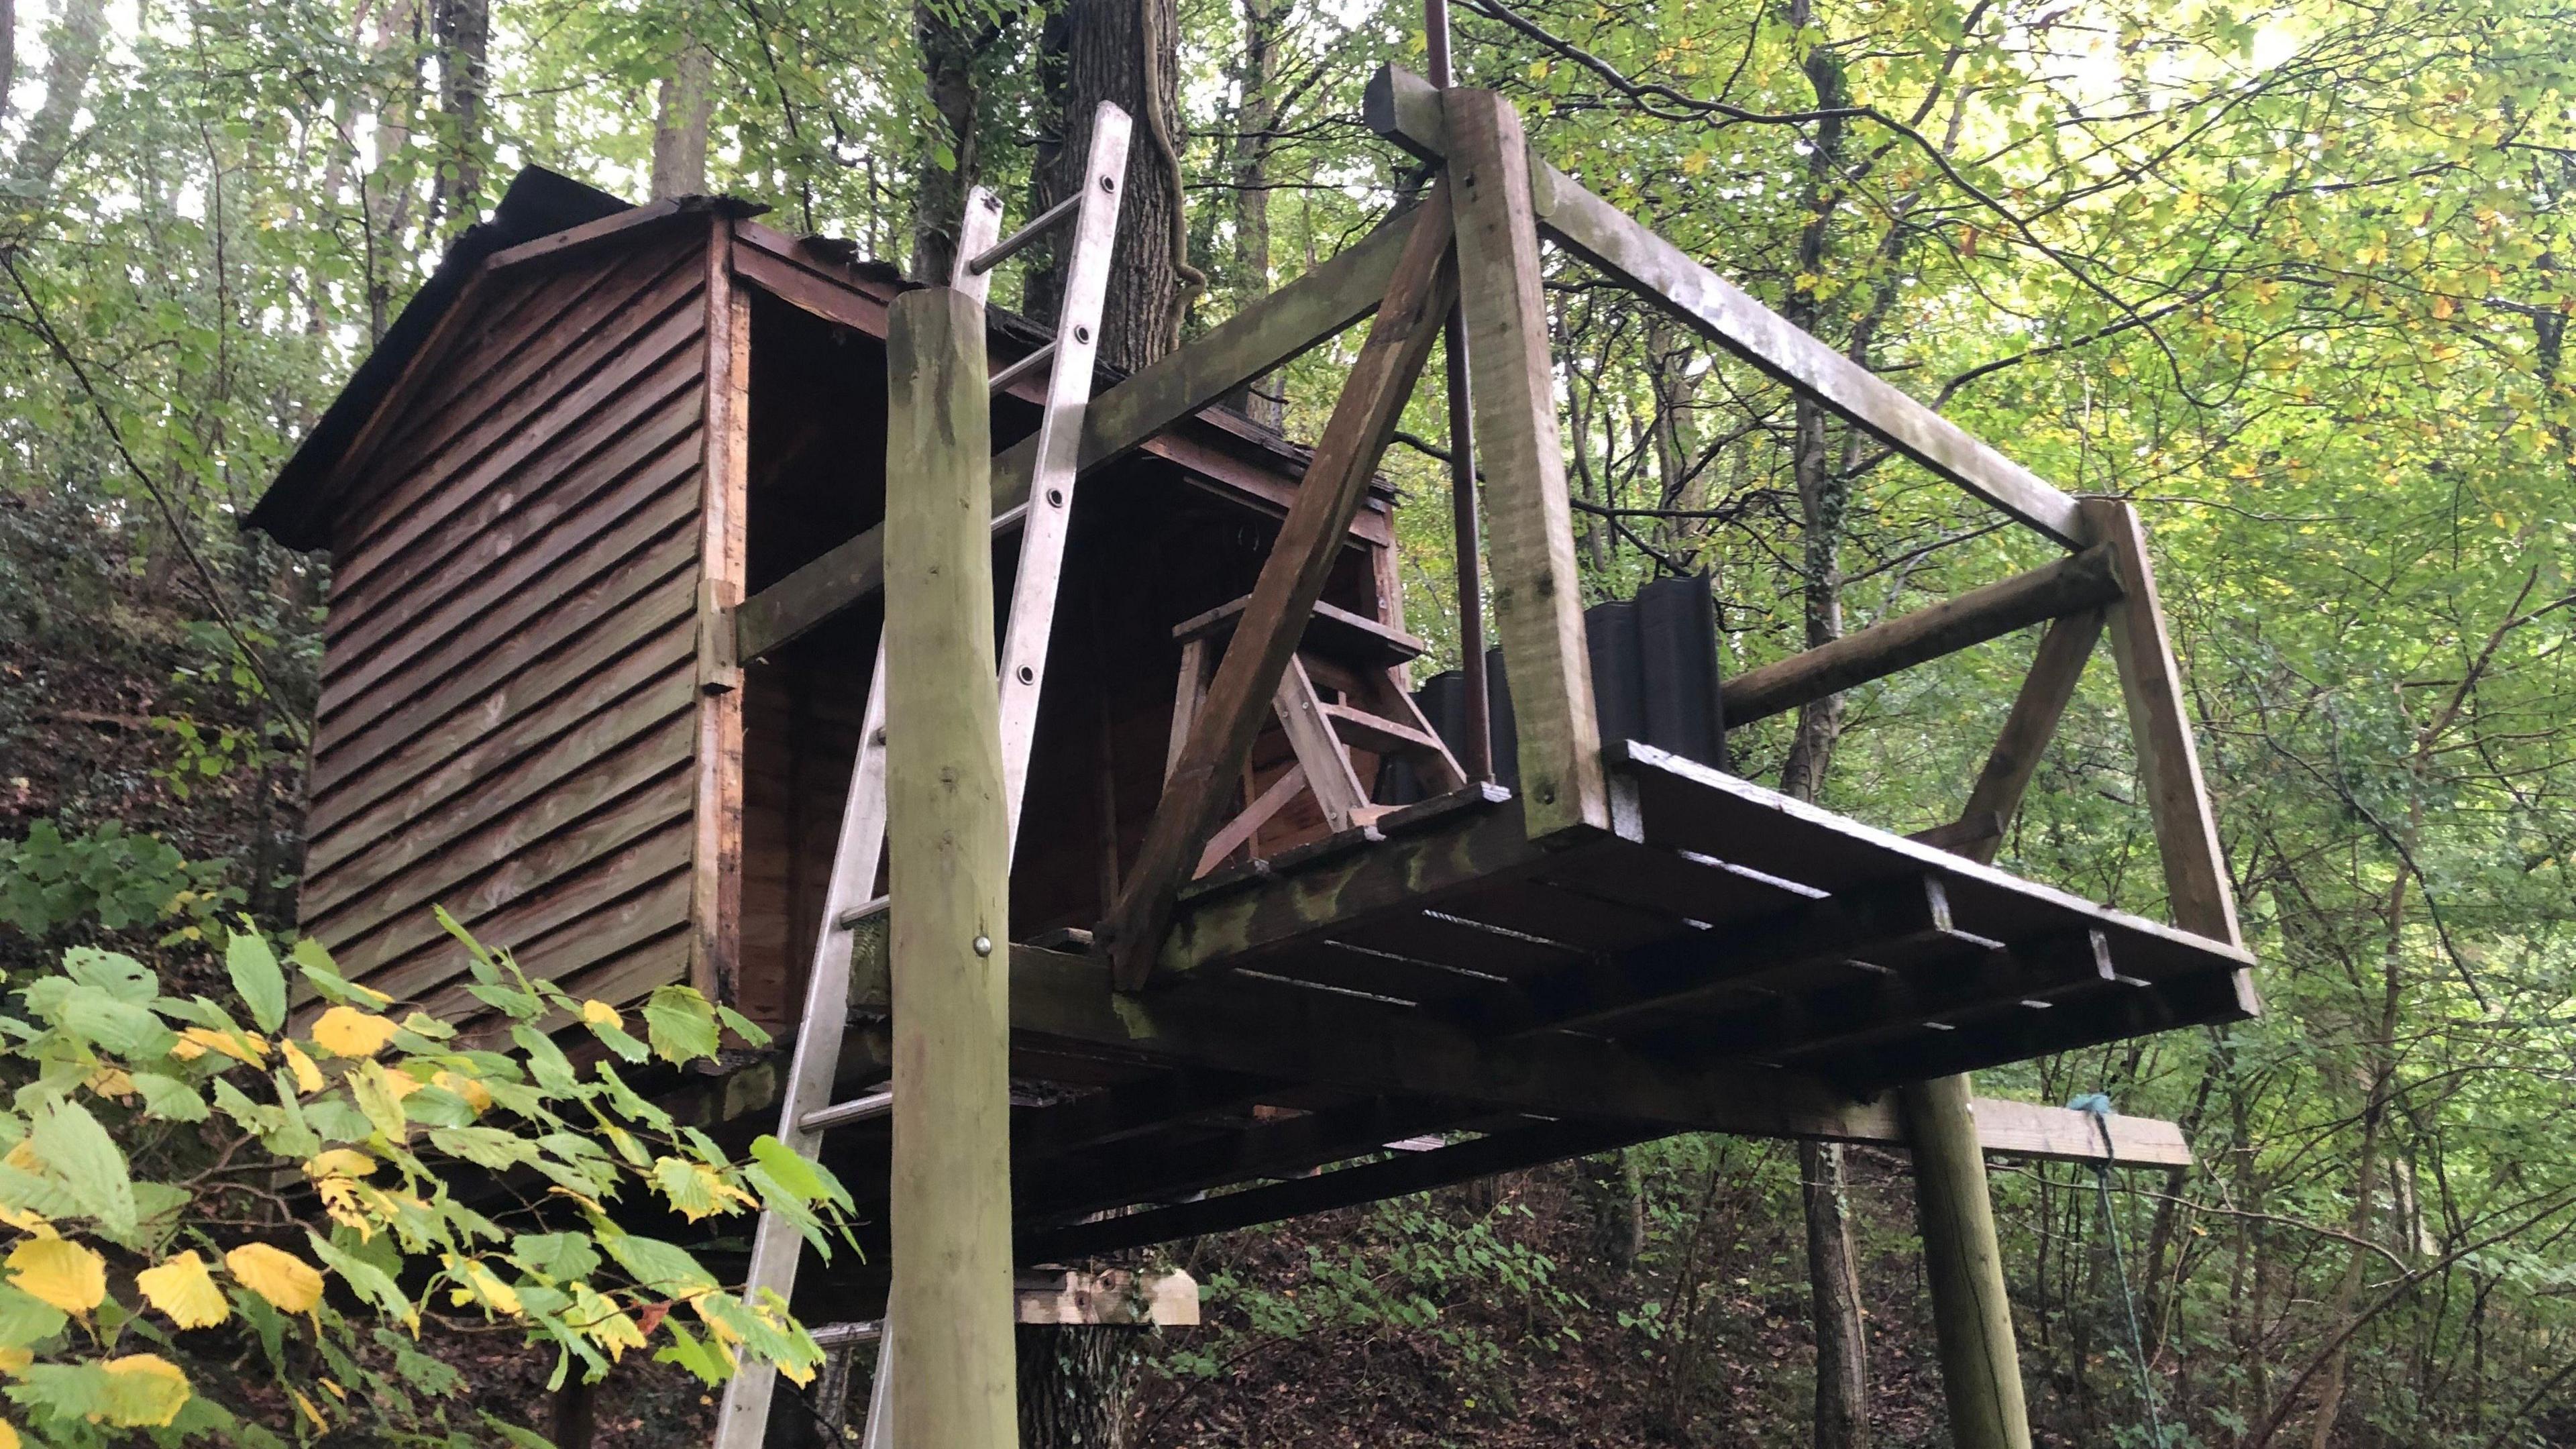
511,716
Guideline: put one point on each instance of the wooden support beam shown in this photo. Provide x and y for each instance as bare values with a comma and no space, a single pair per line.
1292,578
2004,1129
1255,341
1405,109
2045,692
2076,584
1393,1177
1286,1033
2202,900
947,837
1963,1264
1529,525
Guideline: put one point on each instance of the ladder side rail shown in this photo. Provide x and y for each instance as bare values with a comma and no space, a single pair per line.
1059,447
776,1245
976,227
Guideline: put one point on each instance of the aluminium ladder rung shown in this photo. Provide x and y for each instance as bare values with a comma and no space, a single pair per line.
1001,381
1038,226
843,1114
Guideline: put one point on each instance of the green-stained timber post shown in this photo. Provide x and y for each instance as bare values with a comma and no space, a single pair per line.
947,839
1964,1267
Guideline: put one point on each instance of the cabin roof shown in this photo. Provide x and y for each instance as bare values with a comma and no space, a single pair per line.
296,509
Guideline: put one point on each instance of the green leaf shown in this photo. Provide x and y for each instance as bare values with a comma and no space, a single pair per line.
122,977
483,1146
364,1278
78,1151
657,1267
256,978
171,1098
681,1024
685,1350
742,1026
808,1180
563,1257
26,1320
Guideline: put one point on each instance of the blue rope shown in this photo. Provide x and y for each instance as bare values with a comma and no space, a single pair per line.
2097,1105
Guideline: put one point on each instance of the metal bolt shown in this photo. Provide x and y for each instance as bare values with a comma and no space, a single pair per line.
1108,183
983,945
1028,675
1081,333
1055,498
992,202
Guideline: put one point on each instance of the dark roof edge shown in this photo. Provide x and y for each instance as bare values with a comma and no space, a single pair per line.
538,203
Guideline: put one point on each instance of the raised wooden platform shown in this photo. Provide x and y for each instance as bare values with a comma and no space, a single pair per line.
1725,958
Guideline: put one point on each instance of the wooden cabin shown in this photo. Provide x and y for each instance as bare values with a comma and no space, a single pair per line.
596,427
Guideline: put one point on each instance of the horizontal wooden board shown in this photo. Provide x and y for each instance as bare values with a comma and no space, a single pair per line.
650,588
525,754
530,321
469,501
528,707
600,509
509,812
579,879
574,369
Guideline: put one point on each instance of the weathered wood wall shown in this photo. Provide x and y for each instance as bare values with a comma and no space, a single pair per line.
509,708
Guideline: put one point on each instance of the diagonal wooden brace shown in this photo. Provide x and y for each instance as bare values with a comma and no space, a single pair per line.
1292,579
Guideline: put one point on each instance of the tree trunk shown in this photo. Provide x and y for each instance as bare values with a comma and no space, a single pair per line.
1075,1384
1842,1348
1256,117
681,112
71,53
1833,1279
463,32
1615,1193
1123,51
952,160
8,52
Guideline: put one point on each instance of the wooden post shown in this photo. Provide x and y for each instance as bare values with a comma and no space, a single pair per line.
1980,1370
1538,597
2168,761
947,838
715,888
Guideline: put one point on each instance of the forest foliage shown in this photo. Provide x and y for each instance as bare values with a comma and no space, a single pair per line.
2288,275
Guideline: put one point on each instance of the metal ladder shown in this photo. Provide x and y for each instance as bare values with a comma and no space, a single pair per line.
808,1110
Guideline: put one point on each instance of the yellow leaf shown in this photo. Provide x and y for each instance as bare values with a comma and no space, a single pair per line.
22,1156
483,1286
147,1390
308,1077
342,1200
476,1095
59,1271
340,1162
8,1435
241,1047
25,1221
600,1013
345,1031
181,1288
277,1275
310,1412
111,1082
14,1361
607,1324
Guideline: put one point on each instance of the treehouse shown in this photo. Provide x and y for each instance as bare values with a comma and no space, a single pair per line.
609,513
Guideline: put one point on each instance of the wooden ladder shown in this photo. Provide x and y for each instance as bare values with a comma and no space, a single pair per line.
849,896
1341,696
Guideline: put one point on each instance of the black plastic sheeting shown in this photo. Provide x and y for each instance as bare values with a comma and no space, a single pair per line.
1654,680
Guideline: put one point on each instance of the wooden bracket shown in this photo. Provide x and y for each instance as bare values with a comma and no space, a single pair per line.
1292,579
